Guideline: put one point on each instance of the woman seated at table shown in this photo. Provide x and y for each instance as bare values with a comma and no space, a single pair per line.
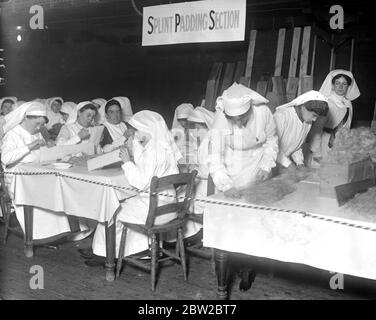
79,125
243,142
151,155
7,105
55,119
21,144
340,88
115,132
293,121
180,127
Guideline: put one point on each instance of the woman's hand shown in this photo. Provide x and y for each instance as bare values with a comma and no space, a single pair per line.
124,154
262,175
36,144
84,134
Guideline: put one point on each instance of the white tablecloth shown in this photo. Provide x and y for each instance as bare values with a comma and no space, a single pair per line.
74,197
291,237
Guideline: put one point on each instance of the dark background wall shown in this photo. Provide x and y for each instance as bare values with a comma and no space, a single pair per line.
85,61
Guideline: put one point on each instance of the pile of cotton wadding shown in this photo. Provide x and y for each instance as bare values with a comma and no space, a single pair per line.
364,204
351,145
272,190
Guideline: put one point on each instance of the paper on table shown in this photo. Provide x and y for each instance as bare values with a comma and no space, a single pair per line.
95,136
103,160
59,152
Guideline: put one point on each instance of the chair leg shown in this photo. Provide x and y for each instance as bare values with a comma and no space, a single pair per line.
182,252
121,251
212,261
7,215
154,261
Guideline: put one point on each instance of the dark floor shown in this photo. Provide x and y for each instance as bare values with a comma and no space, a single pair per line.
67,277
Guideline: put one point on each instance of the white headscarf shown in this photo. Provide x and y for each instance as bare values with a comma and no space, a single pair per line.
19,103
68,107
154,124
235,101
73,115
327,86
303,98
32,108
101,116
126,107
181,112
49,101
14,99
201,114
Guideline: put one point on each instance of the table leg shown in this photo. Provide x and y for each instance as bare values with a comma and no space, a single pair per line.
110,252
221,262
28,240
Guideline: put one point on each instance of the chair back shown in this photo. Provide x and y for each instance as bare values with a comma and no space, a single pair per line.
181,207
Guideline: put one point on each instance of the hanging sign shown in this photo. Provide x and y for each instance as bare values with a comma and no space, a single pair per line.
197,21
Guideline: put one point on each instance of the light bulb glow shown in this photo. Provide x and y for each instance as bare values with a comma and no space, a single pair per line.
19,27
19,38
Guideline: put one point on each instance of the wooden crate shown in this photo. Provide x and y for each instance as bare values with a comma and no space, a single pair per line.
332,175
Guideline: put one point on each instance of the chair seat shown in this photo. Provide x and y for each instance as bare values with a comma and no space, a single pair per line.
166,227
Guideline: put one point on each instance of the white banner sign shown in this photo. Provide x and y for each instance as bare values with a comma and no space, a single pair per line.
197,21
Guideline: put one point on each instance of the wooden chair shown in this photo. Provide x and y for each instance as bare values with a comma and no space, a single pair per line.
198,249
154,231
6,207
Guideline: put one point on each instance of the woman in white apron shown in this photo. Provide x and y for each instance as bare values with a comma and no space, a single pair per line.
21,145
152,156
243,142
294,121
115,132
78,127
340,88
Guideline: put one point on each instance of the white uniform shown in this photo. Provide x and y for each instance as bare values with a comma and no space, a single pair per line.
338,106
14,151
292,133
117,134
238,154
68,134
156,158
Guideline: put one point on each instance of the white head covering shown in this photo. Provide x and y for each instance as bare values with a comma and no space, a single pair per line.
203,115
303,98
153,123
101,116
235,101
14,99
68,107
49,101
73,115
182,111
19,103
126,107
327,86
44,101
32,108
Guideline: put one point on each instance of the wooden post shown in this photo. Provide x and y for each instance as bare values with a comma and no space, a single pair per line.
239,71
227,78
304,56
294,52
279,53
212,86
313,55
373,124
250,55
332,56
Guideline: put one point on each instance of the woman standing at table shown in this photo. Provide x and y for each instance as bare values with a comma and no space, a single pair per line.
152,156
115,132
293,121
79,125
21,144
243,142
340,88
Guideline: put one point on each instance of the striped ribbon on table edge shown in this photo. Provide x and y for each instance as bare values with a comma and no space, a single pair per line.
209,201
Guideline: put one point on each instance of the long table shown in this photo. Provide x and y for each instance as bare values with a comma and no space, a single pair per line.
74,191
302,228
